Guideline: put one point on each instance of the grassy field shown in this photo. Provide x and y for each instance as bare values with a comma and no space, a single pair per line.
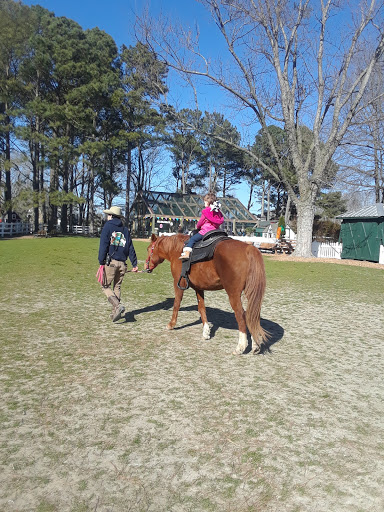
104,417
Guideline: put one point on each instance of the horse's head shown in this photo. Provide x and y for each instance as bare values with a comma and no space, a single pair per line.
153,258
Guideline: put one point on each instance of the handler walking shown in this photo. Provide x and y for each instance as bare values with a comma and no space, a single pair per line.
115,247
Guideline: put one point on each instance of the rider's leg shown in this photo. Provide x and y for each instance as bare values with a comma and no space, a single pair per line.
189,245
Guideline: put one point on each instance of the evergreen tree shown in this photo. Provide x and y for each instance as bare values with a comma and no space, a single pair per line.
15,28
221,163
143,82
184,143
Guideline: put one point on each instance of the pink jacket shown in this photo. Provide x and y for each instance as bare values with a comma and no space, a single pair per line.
209,220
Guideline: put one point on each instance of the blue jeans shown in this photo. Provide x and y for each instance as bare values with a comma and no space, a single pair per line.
195,238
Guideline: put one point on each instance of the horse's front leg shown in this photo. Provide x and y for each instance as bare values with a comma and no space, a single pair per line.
203,314
176,305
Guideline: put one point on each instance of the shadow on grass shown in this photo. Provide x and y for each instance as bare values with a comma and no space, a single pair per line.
217,317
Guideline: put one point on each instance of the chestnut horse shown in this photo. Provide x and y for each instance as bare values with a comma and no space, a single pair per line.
236,267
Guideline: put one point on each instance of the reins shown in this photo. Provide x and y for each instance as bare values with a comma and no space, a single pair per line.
147,261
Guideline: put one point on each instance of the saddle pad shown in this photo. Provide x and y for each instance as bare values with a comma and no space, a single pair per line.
204,250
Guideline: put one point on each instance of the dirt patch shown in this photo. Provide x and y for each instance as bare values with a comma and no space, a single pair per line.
130,417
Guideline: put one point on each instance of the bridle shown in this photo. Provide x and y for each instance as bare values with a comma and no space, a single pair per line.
147,261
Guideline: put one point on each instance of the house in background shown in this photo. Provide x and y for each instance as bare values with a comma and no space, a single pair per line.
15,217
362,233
268,229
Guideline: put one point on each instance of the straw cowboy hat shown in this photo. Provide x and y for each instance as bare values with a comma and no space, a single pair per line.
114,210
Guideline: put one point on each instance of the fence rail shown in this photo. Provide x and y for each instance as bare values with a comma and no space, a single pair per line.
80,230
9,229
327,250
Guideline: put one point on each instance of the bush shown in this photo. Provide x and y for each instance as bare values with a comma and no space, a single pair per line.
326,230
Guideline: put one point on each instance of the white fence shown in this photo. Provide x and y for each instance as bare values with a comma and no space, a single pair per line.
8,229
80,230
255,240
327,250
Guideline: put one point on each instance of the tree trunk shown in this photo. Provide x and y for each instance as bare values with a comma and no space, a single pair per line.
128,185
262,207
8,188
225,183
287,216
42,197
250,196
381,197
268,201
34,151
305,217
71,188
91,204
53,187
35,186
183,177
64,206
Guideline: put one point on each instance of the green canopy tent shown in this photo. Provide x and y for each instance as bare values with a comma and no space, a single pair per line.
154,212
362,233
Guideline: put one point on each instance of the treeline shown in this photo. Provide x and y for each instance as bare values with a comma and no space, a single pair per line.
83,121
79,105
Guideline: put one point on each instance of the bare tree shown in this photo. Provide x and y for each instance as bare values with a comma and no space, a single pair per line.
363,150
291,64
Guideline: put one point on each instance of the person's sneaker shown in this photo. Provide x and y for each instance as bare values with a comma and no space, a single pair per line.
117,314
184,255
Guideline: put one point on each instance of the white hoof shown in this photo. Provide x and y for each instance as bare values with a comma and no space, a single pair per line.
206,332
242,344
255,346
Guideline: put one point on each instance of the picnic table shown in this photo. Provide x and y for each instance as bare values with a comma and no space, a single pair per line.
279,247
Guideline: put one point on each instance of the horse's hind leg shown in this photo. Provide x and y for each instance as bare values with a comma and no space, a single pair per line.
235,301
203,314
176,306
256,347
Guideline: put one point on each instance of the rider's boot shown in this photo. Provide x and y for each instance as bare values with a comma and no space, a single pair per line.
185,255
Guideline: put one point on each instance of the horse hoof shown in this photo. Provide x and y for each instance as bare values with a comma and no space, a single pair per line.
237,352
206,332
169,327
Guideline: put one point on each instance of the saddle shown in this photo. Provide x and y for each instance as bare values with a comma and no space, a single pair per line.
202,251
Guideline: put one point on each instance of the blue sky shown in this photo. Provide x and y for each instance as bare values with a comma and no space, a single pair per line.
117,17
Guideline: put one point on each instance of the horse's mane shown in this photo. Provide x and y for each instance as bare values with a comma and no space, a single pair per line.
172,243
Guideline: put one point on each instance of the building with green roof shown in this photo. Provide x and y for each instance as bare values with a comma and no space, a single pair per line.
166,212
362,233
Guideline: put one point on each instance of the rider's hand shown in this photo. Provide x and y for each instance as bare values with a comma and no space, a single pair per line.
135,269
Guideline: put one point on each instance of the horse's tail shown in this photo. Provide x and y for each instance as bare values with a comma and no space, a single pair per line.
254,291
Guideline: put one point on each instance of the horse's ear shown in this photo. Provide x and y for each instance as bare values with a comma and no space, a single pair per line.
153,237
